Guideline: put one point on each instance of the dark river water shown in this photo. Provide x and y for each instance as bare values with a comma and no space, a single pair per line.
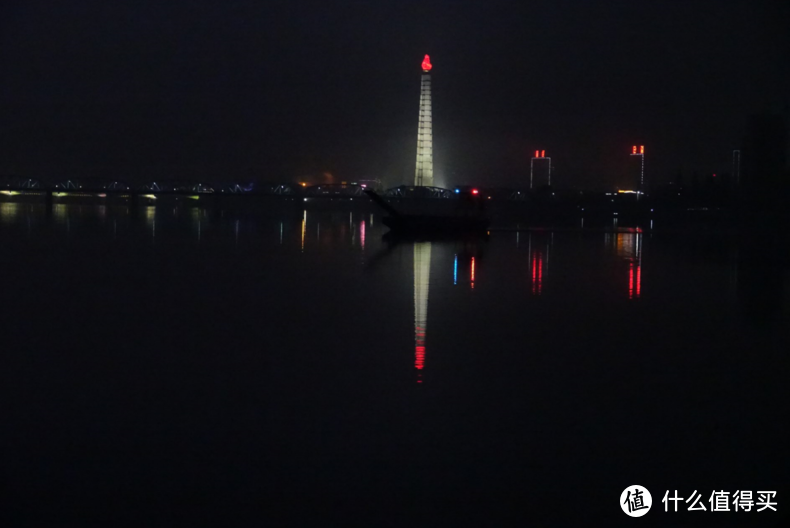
181,368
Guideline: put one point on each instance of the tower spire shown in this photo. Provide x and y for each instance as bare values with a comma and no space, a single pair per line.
423,176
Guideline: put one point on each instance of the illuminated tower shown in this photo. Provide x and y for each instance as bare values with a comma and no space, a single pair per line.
539,170
636,175
422,276
423,176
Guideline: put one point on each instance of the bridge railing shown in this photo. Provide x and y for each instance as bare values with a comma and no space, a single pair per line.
404,191
333,189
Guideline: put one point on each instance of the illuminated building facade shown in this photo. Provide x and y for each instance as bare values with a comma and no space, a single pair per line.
423,176
539,170
636,172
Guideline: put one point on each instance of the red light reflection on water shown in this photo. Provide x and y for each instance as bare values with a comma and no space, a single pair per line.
537,273
630,247
419,357
638,279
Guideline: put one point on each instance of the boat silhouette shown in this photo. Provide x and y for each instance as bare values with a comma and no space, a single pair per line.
469,220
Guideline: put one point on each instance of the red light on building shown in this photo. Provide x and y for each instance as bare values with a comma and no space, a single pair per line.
426,64
475,191
633,150
537,153
642,149
542,153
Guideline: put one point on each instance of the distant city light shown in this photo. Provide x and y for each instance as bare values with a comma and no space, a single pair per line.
475,191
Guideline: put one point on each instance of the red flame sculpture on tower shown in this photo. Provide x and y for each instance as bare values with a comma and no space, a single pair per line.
426,64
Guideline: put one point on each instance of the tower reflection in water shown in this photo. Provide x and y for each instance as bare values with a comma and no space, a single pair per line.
629,248
538,261
422,276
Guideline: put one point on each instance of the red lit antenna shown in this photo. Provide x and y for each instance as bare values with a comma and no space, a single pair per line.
542,153
426,64
642,149
537,153
633,150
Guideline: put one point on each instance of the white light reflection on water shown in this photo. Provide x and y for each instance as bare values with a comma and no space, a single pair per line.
422,277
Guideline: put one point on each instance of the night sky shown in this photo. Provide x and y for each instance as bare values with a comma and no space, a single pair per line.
280,90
